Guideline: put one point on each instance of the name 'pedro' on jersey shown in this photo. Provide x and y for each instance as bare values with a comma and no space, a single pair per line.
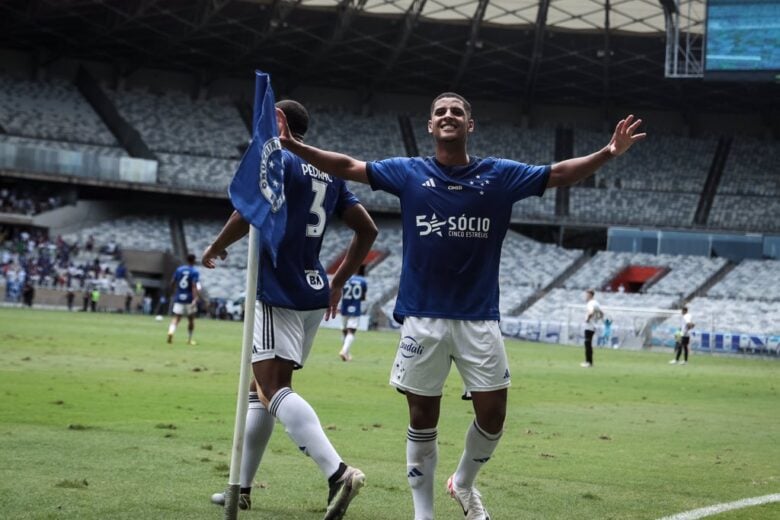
299,281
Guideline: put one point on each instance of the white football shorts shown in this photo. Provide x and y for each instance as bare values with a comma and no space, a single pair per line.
429,346
184,309
350,322
284,333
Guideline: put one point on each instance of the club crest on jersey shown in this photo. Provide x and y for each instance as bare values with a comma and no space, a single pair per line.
409,347
314,279
271,173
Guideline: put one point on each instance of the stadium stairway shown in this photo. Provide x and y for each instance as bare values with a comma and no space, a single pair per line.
557,282
710,283
707,197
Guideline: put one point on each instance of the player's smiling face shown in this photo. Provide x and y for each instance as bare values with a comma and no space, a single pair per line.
450,121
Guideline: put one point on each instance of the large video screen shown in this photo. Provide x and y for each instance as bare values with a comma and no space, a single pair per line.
743,40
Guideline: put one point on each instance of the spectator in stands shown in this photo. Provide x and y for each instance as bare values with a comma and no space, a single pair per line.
94,298
455,212
69,297
28,293
593,315
684,337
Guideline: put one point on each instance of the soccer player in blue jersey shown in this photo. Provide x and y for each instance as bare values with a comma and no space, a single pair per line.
292,298
455,210
185,286
352,297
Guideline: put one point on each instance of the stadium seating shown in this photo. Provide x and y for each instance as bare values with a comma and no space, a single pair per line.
148,233
175,123
726,315
195,172
616,206
660,163
111,151
751,169
750,280
557,303
687,273
50,110
368,138
744,212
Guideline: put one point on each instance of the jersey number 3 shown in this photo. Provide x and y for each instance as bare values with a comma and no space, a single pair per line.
318,209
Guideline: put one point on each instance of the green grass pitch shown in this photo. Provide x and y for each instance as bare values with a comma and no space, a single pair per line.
100,418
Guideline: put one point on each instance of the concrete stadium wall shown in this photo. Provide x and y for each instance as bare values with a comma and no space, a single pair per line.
74,217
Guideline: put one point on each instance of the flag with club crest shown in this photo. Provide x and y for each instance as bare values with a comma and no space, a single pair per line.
257,188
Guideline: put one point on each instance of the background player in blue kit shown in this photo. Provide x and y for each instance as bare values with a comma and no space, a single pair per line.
352,297
185,286
292,298
455,211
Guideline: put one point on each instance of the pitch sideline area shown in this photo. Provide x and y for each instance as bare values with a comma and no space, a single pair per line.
722,508
99,418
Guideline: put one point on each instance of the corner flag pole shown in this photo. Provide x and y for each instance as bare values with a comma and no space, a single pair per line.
242,401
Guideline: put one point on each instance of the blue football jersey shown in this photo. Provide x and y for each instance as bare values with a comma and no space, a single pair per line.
299,281
353,293
454,219
185,277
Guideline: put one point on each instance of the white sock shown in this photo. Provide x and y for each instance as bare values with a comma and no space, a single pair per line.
259,427
480,446
422,454
348,339
171,329
303,427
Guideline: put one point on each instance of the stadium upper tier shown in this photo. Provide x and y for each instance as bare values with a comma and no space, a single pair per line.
174,123
146,233
745,212
617,206
750,280
752,169
50,110
196,172
28,142
686,273
659,163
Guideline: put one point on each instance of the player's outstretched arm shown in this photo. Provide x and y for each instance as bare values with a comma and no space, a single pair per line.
235,228
358,220
340,165
571,171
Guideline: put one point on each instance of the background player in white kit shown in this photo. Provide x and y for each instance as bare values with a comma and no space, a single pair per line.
292,298
185,285
593,315
686,324
352,297
455,211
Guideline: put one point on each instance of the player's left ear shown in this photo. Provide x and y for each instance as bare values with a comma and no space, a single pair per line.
471,125
430,126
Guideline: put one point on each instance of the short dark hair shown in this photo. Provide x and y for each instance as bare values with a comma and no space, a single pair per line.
684,309
297,117
191,258
466,104
591,292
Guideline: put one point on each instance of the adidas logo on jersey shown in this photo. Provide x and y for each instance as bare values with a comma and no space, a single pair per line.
429,183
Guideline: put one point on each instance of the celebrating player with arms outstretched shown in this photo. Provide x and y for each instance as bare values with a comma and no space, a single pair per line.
292,298
455,211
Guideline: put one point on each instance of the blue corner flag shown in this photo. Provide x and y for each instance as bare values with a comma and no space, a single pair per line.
257,188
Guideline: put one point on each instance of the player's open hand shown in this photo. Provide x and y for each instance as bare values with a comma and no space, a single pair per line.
210,255
285,135
335,297
624,135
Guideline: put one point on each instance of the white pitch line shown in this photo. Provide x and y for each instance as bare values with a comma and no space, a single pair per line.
722,508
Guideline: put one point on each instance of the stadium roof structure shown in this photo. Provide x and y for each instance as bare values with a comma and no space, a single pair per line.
571,52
